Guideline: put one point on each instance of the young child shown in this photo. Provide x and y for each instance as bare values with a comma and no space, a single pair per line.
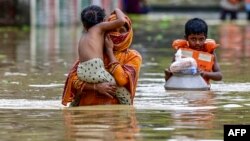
197,45
91,67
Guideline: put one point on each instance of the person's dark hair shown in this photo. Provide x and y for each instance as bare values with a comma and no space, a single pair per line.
92,15
196,26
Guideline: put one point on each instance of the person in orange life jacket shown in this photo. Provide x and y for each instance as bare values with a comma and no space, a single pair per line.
230,7
197,42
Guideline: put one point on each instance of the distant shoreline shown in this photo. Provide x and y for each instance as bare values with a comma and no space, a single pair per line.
166,8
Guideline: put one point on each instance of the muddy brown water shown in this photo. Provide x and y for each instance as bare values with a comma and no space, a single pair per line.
34,63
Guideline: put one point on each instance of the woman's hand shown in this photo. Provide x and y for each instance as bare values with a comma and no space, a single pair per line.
106,88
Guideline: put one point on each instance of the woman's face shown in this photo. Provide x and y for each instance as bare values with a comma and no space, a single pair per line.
196,41
121,30
118,35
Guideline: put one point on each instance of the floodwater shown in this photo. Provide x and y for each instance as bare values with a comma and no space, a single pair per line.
34,64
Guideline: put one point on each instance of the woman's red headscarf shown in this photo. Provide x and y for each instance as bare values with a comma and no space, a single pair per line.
122,41
130,60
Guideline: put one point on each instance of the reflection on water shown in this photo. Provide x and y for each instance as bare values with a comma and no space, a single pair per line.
33,68
234,53
102,123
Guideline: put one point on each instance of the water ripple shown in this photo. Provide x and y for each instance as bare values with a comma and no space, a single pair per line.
29,104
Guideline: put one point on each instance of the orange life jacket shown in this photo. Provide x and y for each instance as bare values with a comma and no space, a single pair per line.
204,59
234,1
